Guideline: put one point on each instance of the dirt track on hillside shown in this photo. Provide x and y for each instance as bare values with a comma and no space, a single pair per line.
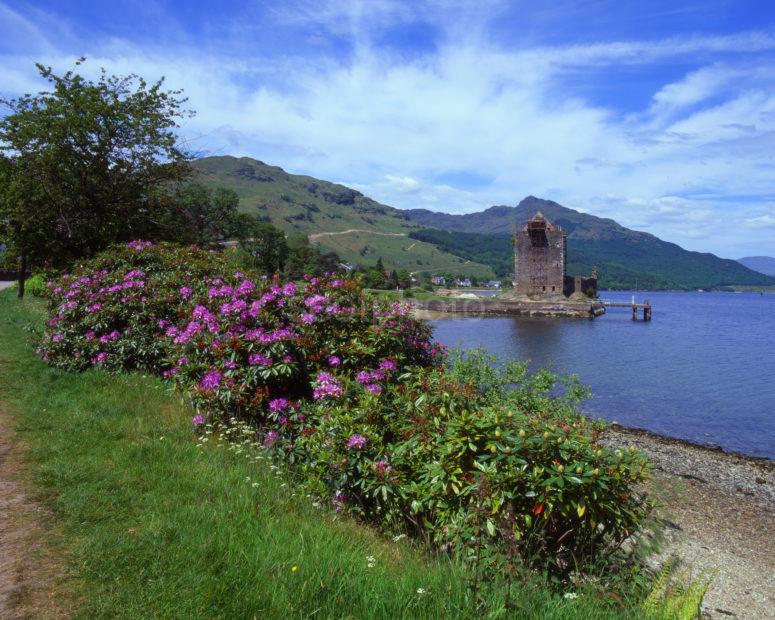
316,236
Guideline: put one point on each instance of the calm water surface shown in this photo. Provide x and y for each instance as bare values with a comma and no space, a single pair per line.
703,369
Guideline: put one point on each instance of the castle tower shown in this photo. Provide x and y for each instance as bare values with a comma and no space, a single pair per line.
539,258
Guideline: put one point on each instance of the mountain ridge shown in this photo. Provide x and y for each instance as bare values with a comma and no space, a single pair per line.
762,264
625,258
426,241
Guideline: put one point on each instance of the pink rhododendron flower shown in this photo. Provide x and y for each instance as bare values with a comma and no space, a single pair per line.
278,404
333,360
356,441
257,359
245,288
198,420
270,439
326,385
211,380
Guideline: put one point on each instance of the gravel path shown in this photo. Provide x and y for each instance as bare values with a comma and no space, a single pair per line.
720,512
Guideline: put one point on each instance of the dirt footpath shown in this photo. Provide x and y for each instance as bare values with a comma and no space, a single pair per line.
27,573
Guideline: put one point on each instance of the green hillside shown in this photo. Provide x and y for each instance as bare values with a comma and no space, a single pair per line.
625,258
339,219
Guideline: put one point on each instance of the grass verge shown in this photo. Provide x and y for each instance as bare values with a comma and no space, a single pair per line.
155,526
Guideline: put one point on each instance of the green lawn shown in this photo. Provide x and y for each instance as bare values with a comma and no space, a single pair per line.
157,527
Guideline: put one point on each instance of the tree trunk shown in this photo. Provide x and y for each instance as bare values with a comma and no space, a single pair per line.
22,274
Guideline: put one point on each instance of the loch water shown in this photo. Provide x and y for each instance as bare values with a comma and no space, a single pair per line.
702,369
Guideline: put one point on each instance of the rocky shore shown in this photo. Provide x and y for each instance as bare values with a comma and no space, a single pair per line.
719,514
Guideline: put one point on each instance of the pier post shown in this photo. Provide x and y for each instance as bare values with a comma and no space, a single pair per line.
634,312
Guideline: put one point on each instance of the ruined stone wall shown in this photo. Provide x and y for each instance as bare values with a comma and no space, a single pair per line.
579,286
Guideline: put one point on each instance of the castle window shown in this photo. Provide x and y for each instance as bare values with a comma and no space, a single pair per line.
552,289
543,287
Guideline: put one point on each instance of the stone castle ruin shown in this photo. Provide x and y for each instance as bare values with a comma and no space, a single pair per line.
540,258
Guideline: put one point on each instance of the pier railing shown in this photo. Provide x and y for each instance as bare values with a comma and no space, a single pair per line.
645,307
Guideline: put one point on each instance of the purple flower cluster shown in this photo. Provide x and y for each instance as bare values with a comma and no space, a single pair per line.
259,359
139,245
278,404
211,380
356,442
326,386
114,335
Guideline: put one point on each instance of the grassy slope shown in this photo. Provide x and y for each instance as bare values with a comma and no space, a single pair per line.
623,256
305,205
157,527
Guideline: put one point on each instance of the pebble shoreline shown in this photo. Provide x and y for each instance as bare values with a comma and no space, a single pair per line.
719,513
728,472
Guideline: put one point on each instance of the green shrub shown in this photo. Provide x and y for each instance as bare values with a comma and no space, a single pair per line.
457,456
36,285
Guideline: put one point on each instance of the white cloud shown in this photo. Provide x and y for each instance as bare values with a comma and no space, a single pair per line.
391,127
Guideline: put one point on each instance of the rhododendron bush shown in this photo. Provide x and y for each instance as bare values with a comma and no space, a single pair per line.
354,394
255,349
236,343
111,311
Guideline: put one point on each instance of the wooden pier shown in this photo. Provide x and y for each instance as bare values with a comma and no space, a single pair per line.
645,306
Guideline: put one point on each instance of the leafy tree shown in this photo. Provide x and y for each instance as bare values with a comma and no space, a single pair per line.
304,258
263,246
404,278
24,236
88,163
211,215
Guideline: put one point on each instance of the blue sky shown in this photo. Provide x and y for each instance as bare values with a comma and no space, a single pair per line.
658,114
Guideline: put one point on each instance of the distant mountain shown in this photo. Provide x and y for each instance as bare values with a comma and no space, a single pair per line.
338,218
625,258
762,264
